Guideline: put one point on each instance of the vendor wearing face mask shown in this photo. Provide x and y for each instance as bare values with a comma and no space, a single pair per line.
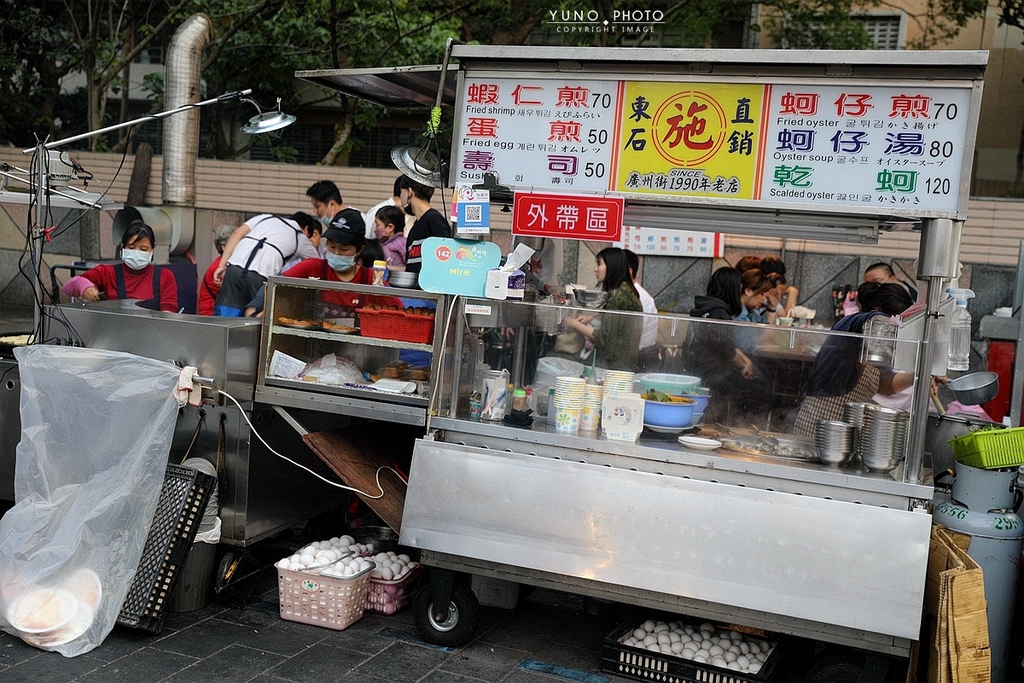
134,278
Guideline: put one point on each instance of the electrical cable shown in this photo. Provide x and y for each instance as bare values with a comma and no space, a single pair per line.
300,466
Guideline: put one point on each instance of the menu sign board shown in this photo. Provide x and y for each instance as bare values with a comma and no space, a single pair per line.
891,149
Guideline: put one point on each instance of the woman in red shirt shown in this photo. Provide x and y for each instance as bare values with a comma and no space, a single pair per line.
134,278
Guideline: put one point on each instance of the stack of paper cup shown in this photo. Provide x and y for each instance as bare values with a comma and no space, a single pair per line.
618,380
593,394
569,395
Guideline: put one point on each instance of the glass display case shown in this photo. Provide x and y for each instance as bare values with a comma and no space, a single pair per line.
757,389
361,350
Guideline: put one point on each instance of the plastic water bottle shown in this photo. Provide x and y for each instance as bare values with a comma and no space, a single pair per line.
960,332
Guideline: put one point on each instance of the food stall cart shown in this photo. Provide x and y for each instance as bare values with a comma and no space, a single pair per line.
815,145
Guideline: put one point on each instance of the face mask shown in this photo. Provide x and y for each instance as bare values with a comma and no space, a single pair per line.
408,209
340,263
381,236
135,259
325,221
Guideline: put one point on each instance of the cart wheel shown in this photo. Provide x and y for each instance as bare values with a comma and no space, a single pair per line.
457,627
228,565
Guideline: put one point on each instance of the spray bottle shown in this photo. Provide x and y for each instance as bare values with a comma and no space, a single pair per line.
959,331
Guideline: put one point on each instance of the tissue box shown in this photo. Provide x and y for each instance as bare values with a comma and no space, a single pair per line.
504,284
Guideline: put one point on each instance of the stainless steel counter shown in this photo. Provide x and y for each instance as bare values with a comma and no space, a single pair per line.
796,547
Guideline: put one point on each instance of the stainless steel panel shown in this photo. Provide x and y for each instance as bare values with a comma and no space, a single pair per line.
699,609
345,405
263,494
223,348
854,566
670,458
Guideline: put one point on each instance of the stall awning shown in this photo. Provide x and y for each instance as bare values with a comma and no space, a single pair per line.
398,86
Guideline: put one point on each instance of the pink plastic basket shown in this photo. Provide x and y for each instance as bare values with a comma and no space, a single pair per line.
328,601
387,597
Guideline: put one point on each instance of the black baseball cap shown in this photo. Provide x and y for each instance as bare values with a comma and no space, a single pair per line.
346,227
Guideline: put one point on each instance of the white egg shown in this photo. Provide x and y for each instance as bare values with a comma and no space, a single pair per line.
753,647
650,639
743,661
732,665
676,647
639,633
661,627
761,656
412,564
306,559
380,557
699,658
374,574
730,656
674,637
685,638
718,661
282,563
744,647
754,667
688,653
649,626
716,650
706,644
663,638
665,648
654,647
404,558
707,628
347,571
703,653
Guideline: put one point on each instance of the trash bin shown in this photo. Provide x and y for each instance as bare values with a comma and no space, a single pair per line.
195,582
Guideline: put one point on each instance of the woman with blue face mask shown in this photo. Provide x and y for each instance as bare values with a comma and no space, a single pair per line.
135,277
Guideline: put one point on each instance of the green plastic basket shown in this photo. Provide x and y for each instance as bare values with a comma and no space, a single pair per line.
990,448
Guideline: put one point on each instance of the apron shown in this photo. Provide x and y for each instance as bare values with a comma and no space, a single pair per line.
152,304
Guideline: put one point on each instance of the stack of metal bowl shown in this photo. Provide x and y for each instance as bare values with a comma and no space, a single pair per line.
883,438
834,441
853,413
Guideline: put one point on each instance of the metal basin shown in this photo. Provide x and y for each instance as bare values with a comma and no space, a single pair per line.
975,388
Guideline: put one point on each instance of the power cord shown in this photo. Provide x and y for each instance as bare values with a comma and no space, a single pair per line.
300,466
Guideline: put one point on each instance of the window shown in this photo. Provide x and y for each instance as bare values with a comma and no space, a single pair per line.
884,29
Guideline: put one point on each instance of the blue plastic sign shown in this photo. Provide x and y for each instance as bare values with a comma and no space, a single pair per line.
453,266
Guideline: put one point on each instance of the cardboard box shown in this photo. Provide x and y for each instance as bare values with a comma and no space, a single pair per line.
955,598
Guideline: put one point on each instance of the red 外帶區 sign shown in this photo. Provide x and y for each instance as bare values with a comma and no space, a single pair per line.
580,217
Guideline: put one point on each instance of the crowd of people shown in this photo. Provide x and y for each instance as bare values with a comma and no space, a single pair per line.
336,242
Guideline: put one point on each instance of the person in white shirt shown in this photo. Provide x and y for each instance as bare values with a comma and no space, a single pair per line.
258,249
649,334
400,198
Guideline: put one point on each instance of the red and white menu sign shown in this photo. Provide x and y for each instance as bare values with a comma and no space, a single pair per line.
577,216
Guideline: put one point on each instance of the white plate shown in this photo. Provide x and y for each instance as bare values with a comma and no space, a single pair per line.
666,430
700,443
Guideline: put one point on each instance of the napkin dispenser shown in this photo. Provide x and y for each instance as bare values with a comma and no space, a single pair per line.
508,281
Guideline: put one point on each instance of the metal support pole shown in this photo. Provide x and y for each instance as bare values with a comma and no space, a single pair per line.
938,261
38,217
922,393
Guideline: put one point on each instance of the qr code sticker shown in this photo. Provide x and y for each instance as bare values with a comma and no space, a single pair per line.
474,213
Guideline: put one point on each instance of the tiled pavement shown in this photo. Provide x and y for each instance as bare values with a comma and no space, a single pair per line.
549,637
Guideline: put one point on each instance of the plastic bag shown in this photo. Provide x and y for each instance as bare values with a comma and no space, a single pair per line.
333,370
96,432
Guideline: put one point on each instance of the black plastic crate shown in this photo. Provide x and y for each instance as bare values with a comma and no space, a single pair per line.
645,665
183,498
